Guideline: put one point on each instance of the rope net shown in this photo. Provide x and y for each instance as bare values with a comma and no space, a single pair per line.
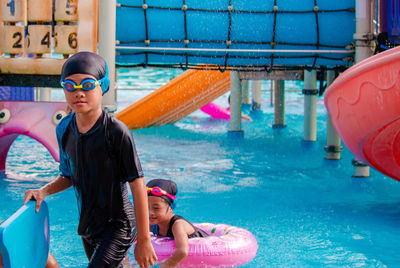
185,33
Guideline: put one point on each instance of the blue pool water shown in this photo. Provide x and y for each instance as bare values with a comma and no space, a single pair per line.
304,211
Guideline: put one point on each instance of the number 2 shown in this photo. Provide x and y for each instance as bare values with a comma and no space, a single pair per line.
17,44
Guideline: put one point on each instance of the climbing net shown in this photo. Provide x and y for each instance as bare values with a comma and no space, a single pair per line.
147,47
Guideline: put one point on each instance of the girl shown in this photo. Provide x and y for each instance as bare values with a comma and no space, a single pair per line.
161,195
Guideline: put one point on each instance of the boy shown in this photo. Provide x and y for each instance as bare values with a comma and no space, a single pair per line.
97,158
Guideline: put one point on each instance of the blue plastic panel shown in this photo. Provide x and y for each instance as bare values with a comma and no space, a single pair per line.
17,93
24,237
253,25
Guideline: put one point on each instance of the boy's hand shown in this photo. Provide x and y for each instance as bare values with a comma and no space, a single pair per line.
144,254
36,194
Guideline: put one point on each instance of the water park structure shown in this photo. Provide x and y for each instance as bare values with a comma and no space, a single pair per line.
222,45
176,35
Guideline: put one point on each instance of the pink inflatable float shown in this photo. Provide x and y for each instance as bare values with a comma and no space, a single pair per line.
216,111
37,120
226,246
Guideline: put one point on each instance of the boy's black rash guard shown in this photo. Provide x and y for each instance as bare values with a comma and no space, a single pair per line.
99,163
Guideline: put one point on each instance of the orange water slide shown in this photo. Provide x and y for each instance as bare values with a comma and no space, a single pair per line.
175,100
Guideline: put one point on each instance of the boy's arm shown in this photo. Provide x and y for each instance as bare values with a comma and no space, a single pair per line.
144,252
181,245
61,183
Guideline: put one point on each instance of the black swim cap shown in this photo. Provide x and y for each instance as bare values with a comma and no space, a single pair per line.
167,185
87,63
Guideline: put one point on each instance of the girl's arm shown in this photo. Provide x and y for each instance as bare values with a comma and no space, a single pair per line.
61,183
181,244
144,252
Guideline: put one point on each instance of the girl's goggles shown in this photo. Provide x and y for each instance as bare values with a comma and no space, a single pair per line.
157,191
86,84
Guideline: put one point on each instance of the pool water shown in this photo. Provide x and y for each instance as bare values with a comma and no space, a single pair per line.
304,211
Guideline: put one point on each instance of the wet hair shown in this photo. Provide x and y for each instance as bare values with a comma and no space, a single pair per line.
168,186
90,63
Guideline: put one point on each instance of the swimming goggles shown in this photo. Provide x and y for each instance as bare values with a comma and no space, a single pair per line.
86,84
157,191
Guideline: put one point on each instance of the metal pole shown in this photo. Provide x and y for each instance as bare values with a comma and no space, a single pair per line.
45,94
107,24
310,105
363,37
235,104
223,50
256,94
279,89
245,92
272,93
333,147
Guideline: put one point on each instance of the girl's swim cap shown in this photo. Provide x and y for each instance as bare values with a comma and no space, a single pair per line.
167,185
87,63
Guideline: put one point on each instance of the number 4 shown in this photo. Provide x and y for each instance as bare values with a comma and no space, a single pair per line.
46,40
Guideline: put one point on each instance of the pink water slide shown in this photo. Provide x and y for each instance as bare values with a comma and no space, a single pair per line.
364,103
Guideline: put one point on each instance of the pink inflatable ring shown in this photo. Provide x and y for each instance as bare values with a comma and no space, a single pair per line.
226,246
